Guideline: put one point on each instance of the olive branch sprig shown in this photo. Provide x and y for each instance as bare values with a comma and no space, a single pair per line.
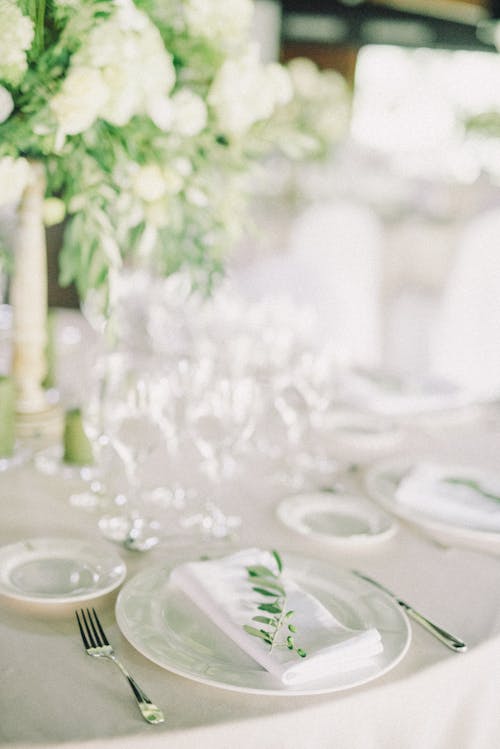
276,616
471,484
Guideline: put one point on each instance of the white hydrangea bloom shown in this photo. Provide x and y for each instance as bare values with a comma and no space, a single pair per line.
156,214
324,98
122,69
129,17
225,22
197,196
305,76
189,115
54,211
279,78
6,104
160,110
149,183
174,182
183,166
244,91
80,100
14,176
16,37
137,70
122,100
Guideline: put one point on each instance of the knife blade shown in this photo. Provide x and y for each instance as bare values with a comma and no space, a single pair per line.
452,642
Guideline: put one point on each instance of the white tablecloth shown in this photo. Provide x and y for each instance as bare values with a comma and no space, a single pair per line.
52,695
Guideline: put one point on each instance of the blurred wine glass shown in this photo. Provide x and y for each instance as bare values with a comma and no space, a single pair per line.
221,420
133,420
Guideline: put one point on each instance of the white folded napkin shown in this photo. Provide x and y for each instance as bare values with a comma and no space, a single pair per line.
223,591
455,494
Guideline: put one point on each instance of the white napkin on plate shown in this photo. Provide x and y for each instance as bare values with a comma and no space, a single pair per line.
441,491
222,590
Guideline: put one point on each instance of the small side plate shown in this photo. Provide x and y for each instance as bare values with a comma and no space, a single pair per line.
339,519
57,570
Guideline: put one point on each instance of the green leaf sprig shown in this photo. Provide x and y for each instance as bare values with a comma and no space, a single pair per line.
471,484
277,619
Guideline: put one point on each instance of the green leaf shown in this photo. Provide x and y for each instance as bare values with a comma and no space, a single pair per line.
261,633
270,585
278,560
271,608
260,571
263,619
266,583
265,592
471,484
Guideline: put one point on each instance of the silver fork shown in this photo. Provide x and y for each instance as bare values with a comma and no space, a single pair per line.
96,644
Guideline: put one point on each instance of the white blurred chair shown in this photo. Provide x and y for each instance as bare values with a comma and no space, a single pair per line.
465,345
332,264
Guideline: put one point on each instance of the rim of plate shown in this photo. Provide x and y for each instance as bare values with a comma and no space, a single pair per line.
293,502
104,555
279,691
373,474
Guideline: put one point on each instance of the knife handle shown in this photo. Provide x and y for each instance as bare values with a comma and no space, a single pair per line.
454,643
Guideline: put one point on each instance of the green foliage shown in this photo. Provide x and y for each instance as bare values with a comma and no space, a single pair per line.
93,171
269,584
133,181
472,484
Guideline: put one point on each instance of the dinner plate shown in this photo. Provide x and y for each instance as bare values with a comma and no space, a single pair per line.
355,437
382,481
403,397
168,628
56,570
341,520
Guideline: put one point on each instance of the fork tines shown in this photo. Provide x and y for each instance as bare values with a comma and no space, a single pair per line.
90,629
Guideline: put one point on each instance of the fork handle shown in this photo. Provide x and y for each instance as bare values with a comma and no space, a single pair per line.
150,712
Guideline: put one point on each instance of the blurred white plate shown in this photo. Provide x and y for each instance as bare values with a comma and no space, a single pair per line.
356,437
169,629
401,397
338,519
382,481
56,570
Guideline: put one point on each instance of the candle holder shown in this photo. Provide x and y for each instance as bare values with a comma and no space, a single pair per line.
35,415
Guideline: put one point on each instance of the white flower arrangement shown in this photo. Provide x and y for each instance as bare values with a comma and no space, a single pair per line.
146,114
119,101
6,104
317,114
16,37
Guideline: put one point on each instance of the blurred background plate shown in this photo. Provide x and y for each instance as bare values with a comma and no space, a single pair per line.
338,519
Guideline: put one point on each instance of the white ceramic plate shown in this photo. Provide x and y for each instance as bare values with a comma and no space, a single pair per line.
338,519
56,570
170,630
389,394
355,437
382,480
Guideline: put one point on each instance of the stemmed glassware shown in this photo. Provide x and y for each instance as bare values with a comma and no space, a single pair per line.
231,383
221,420
135,423
315,379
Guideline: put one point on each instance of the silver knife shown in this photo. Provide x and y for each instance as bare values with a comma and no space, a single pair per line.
454,643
